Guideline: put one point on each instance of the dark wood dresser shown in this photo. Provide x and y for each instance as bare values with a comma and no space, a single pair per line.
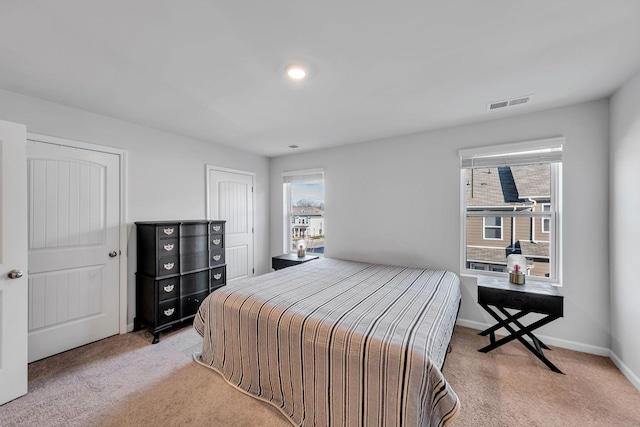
179,264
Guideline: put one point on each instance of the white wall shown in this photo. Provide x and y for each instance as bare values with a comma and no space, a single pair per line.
165,173
625,228
405,193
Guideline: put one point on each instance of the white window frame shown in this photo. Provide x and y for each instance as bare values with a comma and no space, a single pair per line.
492,227
306,175
528,152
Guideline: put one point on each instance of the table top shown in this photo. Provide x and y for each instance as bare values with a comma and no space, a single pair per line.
295,257
180,221
530,286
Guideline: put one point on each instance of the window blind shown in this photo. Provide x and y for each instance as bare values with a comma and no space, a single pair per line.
308,175
520,153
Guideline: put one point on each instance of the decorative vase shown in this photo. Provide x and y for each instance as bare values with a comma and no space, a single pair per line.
517,277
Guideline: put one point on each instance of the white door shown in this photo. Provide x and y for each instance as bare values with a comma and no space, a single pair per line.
13,260
74,255
231,199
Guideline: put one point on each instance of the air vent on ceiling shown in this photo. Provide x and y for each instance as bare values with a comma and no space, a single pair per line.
509,102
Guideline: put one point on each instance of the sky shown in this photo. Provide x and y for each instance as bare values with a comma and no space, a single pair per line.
311,191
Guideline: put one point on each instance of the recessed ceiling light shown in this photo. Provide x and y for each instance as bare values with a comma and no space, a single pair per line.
296,72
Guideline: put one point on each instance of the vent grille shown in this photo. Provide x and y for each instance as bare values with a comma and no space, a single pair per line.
498,105
509,102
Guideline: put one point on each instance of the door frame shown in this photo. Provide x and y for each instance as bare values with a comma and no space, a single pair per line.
122,240
208,169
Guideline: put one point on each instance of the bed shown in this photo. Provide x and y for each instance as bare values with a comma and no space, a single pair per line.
337,343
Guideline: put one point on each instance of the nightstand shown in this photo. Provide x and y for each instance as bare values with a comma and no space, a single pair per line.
287,260
532,297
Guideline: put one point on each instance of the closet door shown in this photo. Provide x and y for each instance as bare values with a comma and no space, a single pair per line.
74,256
231,199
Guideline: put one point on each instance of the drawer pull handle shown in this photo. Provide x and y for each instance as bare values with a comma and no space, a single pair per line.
168,247
216,241
169,312
168,266
215,227
168,288
217,276
216,257
168,231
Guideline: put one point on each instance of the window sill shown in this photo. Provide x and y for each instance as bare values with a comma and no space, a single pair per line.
475,273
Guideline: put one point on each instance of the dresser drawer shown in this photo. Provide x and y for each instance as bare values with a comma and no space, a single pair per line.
217,277
168,311
192,262
168,247
217,257
189,305
216,242
537,303
168,231
193,230
168,288
216,228
167,266
194,283
193,244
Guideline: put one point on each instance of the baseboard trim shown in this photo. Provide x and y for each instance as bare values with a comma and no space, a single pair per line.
471,324
626,371
558,342
129,327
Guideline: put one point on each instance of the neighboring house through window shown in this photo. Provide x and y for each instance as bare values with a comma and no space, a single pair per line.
304,210
510,205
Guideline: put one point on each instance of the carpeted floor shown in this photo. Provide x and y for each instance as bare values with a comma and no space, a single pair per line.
123,380
511,387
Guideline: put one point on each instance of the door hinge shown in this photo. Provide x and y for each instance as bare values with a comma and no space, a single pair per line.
252,189
252,230
253,271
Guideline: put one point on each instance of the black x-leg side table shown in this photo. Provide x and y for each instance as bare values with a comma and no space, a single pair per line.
532,297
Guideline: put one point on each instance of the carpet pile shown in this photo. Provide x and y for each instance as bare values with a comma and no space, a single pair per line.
124,380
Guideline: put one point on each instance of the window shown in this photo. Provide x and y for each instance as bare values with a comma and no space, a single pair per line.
504,189
546,207
492,228
304,210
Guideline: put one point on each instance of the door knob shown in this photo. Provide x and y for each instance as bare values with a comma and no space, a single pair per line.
15,274
113,254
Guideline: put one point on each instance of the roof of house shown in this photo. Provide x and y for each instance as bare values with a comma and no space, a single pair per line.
528,248
533,249
533,180
490,255
307,210
507,186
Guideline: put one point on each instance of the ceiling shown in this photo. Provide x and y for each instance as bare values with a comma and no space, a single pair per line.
214,69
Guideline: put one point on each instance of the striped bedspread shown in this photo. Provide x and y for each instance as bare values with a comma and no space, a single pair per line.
338,343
